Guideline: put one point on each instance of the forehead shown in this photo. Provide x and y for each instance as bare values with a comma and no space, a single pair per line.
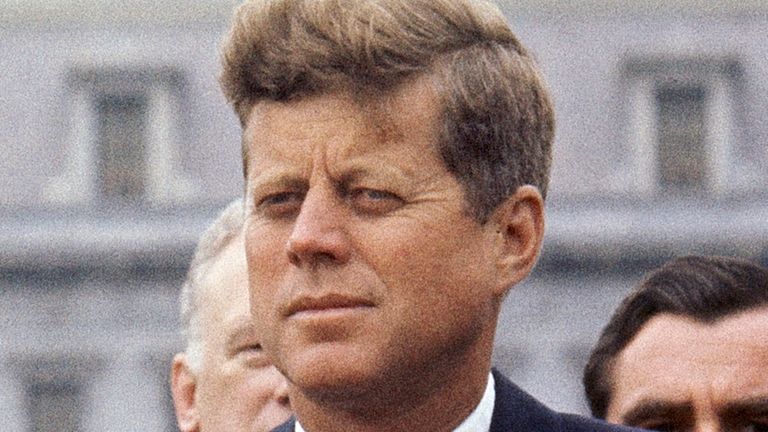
678,359
350,122
224,285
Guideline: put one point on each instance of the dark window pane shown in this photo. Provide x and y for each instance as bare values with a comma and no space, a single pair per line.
53,406
121,149
681,152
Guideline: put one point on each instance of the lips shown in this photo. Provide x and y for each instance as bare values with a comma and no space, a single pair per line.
326,302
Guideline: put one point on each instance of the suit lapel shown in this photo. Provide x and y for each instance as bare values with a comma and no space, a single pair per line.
515,410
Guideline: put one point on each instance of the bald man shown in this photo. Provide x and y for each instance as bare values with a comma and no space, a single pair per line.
223,381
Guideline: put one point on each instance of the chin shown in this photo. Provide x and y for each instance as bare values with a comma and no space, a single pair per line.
332,372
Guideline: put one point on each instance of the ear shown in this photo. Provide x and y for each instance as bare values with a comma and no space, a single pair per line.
519,225
183,388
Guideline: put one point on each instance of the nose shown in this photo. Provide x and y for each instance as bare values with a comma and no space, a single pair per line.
281,390
318,236
708,426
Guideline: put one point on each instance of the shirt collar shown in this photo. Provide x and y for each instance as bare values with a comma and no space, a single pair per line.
479,419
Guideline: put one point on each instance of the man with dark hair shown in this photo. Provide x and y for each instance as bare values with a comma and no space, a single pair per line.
687,350
396,157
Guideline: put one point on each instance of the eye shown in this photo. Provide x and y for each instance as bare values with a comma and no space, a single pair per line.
374,201
658,424
755,426
280,204
661,427
279,198
256,347
253,355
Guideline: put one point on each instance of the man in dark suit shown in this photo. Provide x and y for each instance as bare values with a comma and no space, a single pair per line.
686,350
396,157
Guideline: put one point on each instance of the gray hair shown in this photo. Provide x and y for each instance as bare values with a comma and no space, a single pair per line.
212,242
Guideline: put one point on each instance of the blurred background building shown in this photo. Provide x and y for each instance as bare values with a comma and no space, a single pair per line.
117,149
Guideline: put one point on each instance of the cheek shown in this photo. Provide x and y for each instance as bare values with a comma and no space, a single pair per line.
401,245
255,391
266,260
434,271
221,390
238,401
267,263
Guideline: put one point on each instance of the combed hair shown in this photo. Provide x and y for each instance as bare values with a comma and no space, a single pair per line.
213,241
704,288
497,120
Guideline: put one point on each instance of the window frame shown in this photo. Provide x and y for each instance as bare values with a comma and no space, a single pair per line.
69,370
722,80
166,183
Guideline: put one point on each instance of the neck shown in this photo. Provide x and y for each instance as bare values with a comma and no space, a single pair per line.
437,397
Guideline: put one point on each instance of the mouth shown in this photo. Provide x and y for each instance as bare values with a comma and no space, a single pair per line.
326,303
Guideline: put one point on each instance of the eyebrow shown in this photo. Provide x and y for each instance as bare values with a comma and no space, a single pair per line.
650,409
274,179
746,407
355,171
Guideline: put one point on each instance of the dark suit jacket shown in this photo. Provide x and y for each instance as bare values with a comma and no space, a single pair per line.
516,411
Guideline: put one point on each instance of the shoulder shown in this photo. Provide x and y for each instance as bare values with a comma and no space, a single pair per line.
516,410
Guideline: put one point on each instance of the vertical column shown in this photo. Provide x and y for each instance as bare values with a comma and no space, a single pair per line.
13,417
642,137
719,134
159,140
76,184
166,182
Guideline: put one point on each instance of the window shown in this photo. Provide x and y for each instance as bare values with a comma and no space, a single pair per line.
681,150
683,125
121,148
122,145
55,390
54,406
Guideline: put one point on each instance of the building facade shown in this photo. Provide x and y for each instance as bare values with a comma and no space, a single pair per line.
117,149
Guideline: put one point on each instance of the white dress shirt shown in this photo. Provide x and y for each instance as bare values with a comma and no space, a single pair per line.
479,420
